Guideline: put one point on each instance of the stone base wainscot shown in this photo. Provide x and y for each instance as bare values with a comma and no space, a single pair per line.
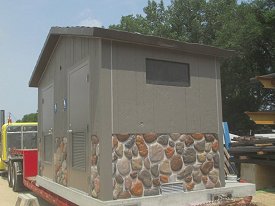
60,161
94,161
144,162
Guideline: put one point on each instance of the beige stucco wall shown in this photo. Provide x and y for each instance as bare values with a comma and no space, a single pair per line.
122,102
140,107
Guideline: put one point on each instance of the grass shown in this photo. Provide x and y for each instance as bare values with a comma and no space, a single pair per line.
269,190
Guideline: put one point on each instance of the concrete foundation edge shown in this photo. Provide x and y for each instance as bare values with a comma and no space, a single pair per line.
172,199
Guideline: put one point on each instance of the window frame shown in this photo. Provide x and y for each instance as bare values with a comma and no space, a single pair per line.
184,83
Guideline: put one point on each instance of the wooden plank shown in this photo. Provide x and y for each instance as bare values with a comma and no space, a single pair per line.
253,142
226,162
264,156
251,149
244,138
263,145
229,168
243,157
227,155
226,170
255,161
261,153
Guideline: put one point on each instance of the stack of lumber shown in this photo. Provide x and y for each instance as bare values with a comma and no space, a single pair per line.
255,150
229,167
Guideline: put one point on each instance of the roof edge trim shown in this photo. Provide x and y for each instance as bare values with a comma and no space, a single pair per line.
56,32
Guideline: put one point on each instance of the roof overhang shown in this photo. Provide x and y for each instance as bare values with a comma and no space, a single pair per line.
56,32
268,81
262,117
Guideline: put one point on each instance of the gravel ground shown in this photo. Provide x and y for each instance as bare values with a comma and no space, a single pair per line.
8,197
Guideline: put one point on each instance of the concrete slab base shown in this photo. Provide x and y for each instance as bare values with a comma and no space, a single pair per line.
263,176
173,199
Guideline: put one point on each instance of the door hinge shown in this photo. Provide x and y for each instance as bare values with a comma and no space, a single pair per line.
87,78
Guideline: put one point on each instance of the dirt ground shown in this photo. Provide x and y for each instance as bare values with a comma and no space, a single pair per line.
8,197
265,197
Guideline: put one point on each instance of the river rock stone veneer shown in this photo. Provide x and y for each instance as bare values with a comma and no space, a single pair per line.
60,161
94,161
143,162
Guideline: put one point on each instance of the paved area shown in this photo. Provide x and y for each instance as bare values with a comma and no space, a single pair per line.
8,197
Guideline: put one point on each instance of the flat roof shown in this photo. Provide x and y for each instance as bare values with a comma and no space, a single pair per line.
56,32
267,76
268,80
264,117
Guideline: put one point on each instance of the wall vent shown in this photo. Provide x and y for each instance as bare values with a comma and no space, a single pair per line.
171,187
79,150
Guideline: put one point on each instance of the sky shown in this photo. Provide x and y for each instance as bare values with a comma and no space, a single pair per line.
24,26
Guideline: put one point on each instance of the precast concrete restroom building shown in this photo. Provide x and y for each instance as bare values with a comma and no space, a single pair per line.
124,115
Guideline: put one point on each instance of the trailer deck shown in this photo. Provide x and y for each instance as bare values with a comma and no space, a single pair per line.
59,195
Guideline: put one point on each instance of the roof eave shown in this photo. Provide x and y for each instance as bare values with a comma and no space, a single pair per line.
56,32
137,38
43,58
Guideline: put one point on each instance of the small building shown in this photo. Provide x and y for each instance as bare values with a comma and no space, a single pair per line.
125,115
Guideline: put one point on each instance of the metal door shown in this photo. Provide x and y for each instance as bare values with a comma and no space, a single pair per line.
47,131
78,118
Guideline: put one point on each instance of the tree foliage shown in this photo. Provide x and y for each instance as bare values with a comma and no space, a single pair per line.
248,28
32,117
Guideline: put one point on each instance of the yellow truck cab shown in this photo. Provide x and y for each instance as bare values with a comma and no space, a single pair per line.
18,136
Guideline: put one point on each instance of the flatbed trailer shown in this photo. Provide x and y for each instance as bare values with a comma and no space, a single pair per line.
25,172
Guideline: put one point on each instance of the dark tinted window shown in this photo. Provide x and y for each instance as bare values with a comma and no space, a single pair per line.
30,128
14,140
167,73
30,140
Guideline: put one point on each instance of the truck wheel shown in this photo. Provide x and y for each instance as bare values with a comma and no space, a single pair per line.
17,178
10,174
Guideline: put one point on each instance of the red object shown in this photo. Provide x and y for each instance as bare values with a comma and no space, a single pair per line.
30,161
243,181
50,197
30,166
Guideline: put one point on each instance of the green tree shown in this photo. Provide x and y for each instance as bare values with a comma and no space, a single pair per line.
249,32
248,28
187,20
32,117
154,22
